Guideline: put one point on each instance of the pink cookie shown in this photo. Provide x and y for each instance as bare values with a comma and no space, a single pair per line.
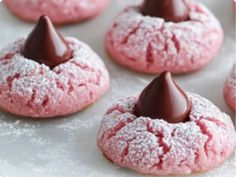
60,12
154,146
30,89
230,89
152,45
234,5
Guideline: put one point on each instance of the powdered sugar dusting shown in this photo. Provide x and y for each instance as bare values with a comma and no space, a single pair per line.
151,45
157,147
13,128
31,89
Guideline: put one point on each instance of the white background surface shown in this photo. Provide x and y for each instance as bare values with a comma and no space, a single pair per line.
66,147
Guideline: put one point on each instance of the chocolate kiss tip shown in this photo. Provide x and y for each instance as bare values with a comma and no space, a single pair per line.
163,99
45,45
170,10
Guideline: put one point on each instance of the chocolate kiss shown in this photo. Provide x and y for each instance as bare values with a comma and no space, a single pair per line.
46,45
163,99
170,10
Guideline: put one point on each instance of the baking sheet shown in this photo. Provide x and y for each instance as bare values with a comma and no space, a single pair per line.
66,147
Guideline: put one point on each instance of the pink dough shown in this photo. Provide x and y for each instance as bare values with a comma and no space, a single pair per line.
230,89
154,146
30,89
59,11
151,45
234,5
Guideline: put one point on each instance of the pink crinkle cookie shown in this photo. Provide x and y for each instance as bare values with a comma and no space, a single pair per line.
154,146
234,5
31,89
60,11
230,89
153,45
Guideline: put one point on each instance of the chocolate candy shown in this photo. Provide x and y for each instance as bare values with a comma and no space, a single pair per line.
45,45
170,10
163,99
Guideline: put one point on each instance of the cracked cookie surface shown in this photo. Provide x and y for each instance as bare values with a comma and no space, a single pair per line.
31,89
151,45
154,146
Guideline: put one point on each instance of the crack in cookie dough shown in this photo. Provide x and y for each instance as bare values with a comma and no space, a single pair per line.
204,131
154,146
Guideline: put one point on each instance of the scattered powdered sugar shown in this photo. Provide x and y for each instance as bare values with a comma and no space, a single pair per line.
75,124
157,147
16,129
54,144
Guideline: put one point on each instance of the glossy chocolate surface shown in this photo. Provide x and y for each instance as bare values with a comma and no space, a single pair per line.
170,10
163,99
45,45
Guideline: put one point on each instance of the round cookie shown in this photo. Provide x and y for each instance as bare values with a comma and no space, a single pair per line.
60,12
234,5
230,89
152,45
29,87
155,146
